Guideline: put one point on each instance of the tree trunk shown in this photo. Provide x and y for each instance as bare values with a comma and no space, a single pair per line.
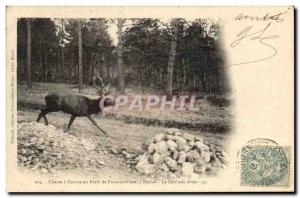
80,56
85,67
40,71
121,79
171,60
62,71
93,67
62,63
183,79
23,68
76,72
161,77
91,73
70,72
102,67
99,64
28,75
58,64
45,66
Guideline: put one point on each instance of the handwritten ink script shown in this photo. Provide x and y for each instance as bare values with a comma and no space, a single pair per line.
267,17
260,36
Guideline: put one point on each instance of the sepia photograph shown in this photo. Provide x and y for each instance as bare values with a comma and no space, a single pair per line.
131,96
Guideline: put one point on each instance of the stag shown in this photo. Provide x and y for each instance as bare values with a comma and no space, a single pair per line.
78,105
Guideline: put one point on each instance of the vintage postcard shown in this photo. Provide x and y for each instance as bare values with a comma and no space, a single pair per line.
150,99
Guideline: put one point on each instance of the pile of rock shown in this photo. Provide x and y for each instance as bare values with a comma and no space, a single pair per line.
127,155
176,154
48,149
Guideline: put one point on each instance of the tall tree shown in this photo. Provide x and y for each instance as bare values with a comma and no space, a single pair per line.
44,45
62,50
70,71
95,41
28,75
171,61
79,56
121,69
62,62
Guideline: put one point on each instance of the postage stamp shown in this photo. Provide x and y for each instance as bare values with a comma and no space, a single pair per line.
265,165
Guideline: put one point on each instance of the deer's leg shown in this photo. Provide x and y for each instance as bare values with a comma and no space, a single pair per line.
71,121
39,117
94,122
46,121
43,114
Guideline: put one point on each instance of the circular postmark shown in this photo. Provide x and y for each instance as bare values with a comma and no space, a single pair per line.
263,164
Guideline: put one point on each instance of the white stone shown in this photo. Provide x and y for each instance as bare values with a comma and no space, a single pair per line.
199,168
170,137
171,131
172,164
151,148
161,147
201,146
205,156
164,167
191,143
188,136
159,137
187,148
172,146
178,133
143,157
145,168
157,159
181,143
175,155
193,156
181,157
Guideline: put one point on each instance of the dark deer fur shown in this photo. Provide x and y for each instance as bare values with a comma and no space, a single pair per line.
76,105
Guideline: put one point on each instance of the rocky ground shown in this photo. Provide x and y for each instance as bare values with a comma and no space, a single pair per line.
48,149
125,151
175,154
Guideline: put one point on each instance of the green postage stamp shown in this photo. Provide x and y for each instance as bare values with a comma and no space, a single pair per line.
265,165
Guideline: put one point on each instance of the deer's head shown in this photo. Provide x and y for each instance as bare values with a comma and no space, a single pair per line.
103,90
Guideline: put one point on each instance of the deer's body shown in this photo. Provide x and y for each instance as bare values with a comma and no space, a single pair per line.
73,104
76,105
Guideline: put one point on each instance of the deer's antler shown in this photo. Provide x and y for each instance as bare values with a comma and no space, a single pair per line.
103,89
